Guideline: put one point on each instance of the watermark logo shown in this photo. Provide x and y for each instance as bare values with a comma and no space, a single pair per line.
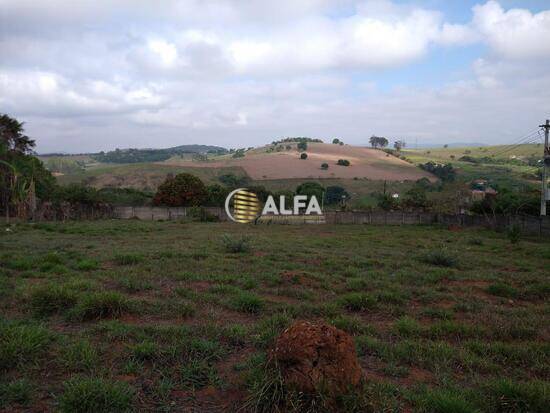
242,205
246,206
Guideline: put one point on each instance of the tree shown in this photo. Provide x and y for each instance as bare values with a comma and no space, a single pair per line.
336,141
181,190
335,194
378,141
303,155
216,195
302,146
324,166
21,174
311,189
398,145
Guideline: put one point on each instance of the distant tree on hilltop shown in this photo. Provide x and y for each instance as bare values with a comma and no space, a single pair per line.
378,141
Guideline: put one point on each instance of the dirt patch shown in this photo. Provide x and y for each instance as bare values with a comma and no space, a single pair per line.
317,356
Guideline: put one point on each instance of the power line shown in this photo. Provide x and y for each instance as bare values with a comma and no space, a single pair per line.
526,140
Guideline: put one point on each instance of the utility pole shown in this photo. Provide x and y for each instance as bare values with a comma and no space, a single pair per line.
545,167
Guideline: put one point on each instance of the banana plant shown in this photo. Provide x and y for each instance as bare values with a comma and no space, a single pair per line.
19,191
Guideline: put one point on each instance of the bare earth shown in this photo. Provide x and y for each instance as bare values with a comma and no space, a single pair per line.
365,163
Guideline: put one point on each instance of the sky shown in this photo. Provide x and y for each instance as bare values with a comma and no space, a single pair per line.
97,75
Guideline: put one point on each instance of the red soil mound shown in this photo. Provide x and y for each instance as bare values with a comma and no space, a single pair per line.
314,357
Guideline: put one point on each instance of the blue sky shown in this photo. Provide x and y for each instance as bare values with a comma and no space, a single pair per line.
96,75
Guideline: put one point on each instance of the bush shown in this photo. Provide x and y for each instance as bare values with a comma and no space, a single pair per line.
311,189
95,395
201,214
50,298
128,259
181,190
502,290
343,162
357,301
100,305
441,258
514,234
335,194
508,396
324,166
247,302
18,391
236,245
20,344
302,146
303,155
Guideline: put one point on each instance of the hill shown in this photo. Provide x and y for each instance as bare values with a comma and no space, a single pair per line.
154,155
268,164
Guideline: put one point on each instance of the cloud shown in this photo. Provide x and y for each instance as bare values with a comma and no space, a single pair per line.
98,74
513,34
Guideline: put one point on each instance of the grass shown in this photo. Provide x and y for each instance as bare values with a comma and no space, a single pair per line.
98,305
86,395
161,316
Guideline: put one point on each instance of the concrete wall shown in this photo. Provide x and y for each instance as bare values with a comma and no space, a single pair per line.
527,224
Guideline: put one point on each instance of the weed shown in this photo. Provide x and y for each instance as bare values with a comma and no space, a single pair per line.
440,258
51,298
509,396
80,356
88,395
502,290
198,373
100,305
247,302
22,344
87,265
18,391
357,301
236,245
128,259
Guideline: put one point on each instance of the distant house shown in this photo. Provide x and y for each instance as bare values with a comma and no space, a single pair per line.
480,189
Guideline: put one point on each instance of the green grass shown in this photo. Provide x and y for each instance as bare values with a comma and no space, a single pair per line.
159,316
98,305
87,395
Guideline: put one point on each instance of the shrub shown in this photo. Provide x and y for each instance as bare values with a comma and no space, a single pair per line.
508,396
181,190
100,305
444,401
146,350
18,391
50,298
87,265
514,234
236,245
441,258
20,344
303,155
80,356
95,395
311,189
324,166
335,194
302,146
502,290
128,259
247,302
196,374
343,162
357,301
201,214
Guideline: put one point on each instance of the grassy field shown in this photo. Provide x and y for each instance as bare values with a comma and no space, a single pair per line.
509,173
176,316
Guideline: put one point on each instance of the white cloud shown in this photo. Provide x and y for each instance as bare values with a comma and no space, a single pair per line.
133,73
514,34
